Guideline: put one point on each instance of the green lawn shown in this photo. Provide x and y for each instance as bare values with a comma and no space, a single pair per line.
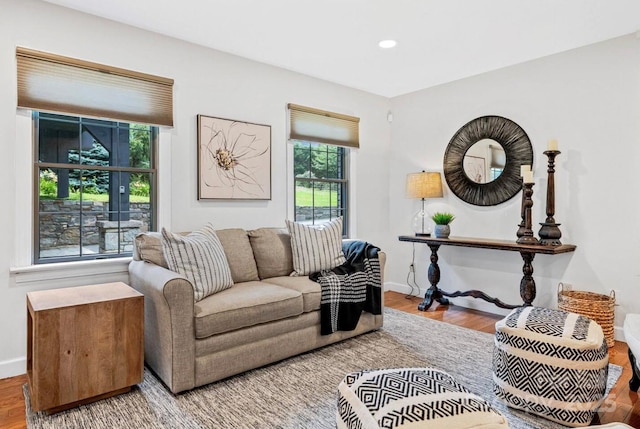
75,196
304,197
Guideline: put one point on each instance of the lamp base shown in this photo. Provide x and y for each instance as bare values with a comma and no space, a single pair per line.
421,225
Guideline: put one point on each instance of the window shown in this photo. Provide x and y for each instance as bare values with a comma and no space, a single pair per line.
321,142
320,182
94,179
96,183
498,161
495,173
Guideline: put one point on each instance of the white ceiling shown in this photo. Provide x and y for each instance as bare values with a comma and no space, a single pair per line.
337,40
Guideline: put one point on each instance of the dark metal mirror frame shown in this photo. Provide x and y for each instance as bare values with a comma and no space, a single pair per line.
518,151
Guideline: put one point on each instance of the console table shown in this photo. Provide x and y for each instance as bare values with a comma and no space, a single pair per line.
527,284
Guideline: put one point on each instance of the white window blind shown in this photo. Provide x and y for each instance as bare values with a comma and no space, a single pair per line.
53,83
315,125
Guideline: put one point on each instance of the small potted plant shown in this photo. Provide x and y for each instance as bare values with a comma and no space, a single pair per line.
442,221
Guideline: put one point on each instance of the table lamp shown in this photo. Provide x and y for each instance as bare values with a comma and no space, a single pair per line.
423,185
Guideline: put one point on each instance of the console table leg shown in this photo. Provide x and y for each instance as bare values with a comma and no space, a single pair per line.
433,293
527,284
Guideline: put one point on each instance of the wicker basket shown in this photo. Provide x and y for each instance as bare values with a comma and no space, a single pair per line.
592,305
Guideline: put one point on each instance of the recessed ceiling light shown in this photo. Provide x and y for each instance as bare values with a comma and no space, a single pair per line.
386,44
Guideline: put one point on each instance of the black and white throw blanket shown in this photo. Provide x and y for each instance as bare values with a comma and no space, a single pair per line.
350,288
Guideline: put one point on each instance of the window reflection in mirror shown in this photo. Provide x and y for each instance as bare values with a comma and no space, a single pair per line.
484,161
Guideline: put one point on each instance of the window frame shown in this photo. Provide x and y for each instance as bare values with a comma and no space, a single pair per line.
154,138
344,182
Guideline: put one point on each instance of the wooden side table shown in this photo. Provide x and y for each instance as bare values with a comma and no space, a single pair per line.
83,344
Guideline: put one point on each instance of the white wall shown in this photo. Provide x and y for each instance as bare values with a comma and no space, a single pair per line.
206,82
589,99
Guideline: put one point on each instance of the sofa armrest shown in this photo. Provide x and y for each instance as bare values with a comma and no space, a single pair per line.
169,332
382,258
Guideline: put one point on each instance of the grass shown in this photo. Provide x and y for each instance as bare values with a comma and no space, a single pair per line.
104,198
304,197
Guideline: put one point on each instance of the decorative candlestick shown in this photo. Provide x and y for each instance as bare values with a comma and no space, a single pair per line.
521,228
527,233
549,232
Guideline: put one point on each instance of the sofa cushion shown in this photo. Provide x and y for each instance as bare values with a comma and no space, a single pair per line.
235,242
239,254
148,248
199,257
245,304
316,247
310,290
272,251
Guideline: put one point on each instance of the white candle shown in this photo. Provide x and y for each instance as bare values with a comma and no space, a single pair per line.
524,169
527,177
552,144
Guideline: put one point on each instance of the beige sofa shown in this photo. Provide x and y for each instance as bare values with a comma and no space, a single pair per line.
264,317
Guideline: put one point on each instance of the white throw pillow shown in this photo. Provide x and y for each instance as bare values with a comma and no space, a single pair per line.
316,247
199,257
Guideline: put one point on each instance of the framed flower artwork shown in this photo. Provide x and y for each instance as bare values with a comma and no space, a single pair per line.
234,159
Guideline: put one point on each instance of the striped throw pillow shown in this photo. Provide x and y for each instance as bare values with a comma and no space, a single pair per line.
199,257
316,247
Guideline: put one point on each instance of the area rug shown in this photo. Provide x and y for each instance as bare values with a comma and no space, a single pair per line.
300,392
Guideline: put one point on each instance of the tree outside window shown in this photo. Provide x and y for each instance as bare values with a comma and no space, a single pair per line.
320,182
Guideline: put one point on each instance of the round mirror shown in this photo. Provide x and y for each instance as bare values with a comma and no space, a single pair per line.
482,161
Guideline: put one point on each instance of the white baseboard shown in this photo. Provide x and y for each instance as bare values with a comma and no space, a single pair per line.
13,367
476,304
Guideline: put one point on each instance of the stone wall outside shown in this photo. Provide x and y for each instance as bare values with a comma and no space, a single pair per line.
306,213
60,221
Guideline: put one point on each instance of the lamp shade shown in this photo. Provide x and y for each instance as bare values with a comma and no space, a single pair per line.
424,185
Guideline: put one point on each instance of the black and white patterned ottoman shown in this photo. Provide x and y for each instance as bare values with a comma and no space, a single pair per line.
551,363
417,398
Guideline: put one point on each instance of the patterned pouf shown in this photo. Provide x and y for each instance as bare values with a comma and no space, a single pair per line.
411,398
551,363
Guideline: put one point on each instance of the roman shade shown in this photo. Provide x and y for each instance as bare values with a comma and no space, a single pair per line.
315,125
54,83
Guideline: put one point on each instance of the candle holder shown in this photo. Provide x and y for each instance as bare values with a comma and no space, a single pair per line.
527,233
521,228
549,232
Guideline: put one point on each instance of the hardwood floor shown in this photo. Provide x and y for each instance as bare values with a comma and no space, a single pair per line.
12,414
621,405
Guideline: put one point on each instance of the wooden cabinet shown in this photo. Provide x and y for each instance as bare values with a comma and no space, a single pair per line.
83,344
